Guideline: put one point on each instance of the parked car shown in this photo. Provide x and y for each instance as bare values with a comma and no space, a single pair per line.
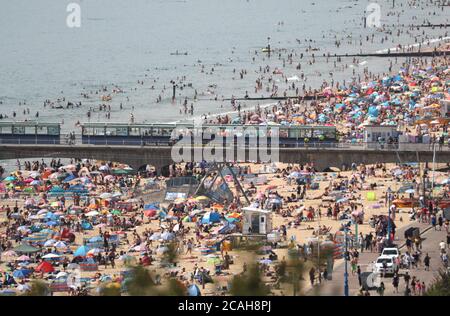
391,252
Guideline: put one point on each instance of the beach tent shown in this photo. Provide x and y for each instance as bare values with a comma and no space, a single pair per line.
211,217
45,267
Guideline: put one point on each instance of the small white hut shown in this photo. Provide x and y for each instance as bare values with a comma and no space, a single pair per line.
256,221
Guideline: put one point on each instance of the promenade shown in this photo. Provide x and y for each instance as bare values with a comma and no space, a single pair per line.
430,245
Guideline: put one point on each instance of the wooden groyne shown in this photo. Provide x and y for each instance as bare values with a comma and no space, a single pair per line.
434,53
305,97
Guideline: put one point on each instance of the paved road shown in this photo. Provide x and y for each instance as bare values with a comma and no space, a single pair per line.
430,245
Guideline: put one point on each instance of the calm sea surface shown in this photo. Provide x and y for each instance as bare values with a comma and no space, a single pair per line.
122,42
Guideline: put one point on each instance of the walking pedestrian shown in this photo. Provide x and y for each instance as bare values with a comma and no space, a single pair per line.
426,262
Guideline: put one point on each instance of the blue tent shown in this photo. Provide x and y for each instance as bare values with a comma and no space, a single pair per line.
193,290
211,217
81,251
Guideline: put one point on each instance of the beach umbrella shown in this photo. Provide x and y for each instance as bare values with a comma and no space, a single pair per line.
24,248
23,229
19,274
140,247
167,236
231,219
103,168
73,266
109,177
342,200
116,212
95,239
30,202
127,258
445,181
61,274
23,258
92,213
193,290
202,198
94,252
9,253
60,245
149,207
36,182
51,256
410,191
265,261
81,251
51,223
34,174
8,292
23,287
155,236
105,195
10,179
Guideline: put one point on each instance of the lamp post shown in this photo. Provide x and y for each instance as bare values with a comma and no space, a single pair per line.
388,192
346,267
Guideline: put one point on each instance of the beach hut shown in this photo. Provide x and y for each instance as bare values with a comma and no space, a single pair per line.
256,221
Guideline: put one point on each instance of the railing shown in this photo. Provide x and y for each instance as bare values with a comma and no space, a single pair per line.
375,146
